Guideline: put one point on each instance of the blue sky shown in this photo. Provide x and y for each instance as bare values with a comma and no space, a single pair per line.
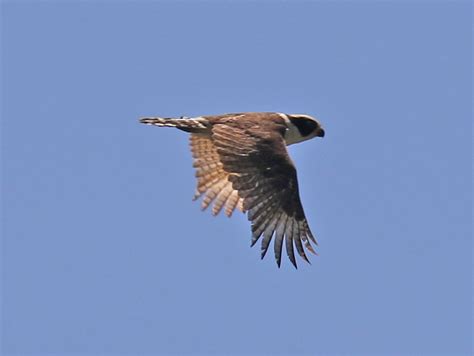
103,251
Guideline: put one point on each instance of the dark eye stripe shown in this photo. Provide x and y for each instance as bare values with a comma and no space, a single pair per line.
305,126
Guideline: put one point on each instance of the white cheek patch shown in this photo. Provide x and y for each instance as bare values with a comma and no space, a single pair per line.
293,133
292,136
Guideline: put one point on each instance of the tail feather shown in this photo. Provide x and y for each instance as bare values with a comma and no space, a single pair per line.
185,124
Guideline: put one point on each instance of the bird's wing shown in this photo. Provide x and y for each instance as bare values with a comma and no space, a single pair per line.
212,180
260,169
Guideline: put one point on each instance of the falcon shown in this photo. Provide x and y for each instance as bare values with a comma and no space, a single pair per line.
241,161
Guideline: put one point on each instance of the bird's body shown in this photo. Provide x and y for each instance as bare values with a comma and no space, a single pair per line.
241,161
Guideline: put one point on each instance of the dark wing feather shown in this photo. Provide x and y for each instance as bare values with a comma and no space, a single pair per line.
260,169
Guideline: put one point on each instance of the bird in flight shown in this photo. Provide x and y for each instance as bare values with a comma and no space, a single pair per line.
241,161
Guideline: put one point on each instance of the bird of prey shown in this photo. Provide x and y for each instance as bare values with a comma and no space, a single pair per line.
241,161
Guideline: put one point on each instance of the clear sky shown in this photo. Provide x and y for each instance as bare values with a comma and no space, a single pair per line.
103,251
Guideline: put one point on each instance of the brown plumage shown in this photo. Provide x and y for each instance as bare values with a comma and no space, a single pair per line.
241,161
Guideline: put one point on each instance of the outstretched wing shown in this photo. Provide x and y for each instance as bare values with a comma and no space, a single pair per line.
212,180
254,155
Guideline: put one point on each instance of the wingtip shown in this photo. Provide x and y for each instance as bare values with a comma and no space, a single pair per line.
254,239
293,261
306,259
311,249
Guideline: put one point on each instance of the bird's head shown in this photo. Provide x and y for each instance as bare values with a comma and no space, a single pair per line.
301,128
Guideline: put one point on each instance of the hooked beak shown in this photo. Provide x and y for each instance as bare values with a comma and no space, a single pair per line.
320,132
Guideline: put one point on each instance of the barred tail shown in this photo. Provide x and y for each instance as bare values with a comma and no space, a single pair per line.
185,124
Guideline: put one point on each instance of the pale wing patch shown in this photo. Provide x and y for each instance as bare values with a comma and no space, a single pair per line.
212,181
